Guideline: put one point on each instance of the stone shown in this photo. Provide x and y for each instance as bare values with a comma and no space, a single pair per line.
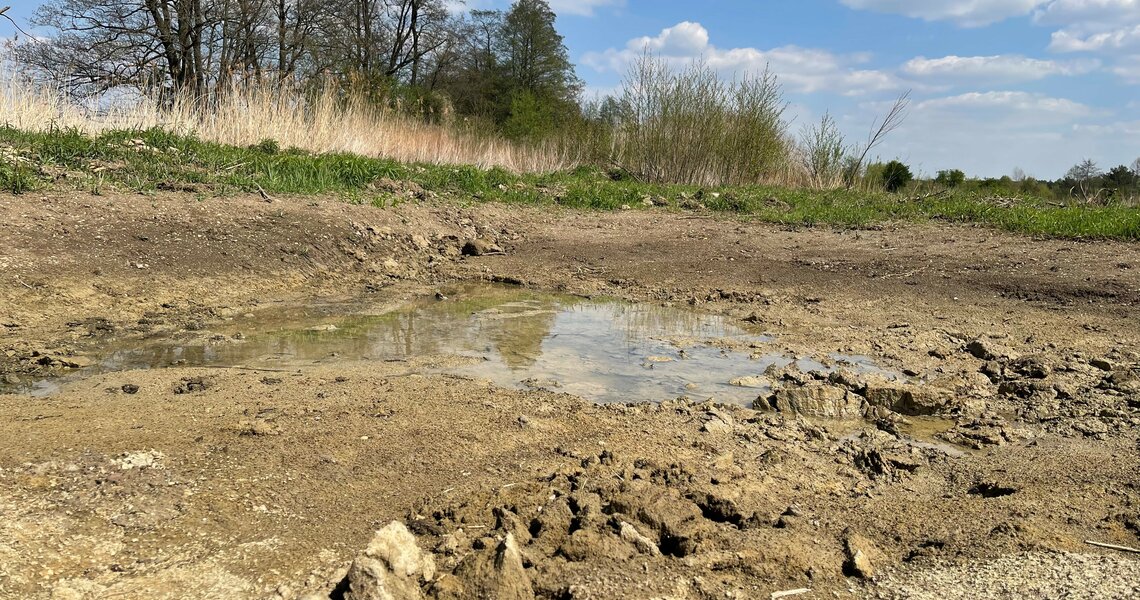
1033,367
718,422
644,545
189,385
151,459
860,552
910,400
496,572
392,567
420,242
1102,364
75,362
130,388
818,400
391,266
751,381
480,247
987,350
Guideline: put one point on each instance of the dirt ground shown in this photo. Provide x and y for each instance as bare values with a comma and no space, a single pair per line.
232,483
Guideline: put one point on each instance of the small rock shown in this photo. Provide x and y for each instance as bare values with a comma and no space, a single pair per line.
1033,367
256,428
391,266
193,384
818,400
420,242
151,459
1102,364
392,567
751,381
987,350
859,552
130,388
75,362
910,400
643,544
480,247
718,422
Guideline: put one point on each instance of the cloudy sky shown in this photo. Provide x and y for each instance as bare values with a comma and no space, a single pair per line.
996,84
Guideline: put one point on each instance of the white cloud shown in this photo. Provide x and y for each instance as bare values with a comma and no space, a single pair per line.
1068,41
1088,15
1002,68
988,133
967,13
1128,69
1104,26
583,8
802,70
1119,128
1025,106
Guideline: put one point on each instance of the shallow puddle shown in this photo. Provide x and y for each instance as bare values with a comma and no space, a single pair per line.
602,350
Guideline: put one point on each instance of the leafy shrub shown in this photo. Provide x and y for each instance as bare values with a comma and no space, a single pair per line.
950,178
896,176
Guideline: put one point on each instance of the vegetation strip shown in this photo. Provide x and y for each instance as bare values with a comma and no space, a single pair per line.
154,159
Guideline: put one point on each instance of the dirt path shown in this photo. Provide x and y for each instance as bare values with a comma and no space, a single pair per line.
254,484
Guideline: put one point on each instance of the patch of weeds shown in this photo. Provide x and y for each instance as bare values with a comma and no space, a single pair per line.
17,179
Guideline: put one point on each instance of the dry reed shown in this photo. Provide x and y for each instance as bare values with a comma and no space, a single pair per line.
252,113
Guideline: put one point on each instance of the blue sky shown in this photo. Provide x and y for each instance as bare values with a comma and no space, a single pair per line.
996,84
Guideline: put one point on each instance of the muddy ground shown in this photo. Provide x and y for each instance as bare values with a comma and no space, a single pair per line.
234,483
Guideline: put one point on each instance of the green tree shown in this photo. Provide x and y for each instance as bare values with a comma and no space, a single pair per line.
896,176
950,178
537,74
530,118
535,55
1120,178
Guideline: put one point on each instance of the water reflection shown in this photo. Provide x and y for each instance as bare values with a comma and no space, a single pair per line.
603,350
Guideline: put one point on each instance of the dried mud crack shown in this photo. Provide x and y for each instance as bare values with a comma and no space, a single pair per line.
1009,441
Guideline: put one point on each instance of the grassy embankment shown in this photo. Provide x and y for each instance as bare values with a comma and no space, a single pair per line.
145,161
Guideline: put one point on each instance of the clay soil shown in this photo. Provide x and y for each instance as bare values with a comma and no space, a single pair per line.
248,484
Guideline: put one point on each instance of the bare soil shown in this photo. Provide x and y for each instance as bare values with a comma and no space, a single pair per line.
231,483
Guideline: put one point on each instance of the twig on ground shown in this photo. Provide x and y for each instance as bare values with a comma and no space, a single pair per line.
927,196
24,284
243,368
789,593
264,195
1113,547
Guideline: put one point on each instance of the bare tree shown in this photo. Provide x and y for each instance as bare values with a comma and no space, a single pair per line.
1084,175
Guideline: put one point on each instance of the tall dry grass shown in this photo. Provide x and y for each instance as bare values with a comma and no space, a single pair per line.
248,114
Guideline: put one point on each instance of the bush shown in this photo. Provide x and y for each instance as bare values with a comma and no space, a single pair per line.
950,178
896,176
692,127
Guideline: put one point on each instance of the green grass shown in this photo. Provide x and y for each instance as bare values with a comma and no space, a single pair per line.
152,160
